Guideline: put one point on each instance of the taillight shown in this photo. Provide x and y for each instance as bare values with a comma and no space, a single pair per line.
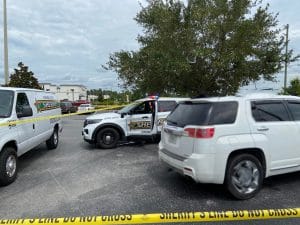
200,132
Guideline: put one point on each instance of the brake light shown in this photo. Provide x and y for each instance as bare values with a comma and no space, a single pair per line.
200,132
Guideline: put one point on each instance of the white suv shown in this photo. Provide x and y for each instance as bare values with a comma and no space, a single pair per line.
140,120
237,141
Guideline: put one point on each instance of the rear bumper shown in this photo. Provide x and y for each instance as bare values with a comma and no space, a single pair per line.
200,167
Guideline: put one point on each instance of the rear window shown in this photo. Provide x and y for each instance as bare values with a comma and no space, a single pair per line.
200,114
189,114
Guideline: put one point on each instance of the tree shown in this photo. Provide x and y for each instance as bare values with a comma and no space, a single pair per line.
294,88
204,46
97,92
24,78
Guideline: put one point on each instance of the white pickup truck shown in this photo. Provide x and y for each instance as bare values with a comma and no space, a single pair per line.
23,106
142,119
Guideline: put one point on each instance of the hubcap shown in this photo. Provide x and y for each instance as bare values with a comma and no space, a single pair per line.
55,138
108,138
245,177
11,166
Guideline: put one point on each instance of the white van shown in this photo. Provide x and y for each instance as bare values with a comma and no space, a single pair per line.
27,108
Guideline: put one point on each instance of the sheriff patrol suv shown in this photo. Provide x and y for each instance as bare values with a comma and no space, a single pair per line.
237,141
140,120
25,107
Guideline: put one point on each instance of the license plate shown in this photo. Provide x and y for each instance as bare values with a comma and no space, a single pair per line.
172,139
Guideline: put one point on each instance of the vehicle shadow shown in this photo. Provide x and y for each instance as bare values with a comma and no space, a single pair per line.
122,144
184,187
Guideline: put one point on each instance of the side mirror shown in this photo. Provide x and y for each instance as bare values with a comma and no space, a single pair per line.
25,111
123,114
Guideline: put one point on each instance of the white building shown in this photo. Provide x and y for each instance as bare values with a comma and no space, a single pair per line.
71,92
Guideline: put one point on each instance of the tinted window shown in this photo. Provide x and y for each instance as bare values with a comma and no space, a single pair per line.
128,108
189,114
144,108
166,106
269,111
295,109
223,113
22,101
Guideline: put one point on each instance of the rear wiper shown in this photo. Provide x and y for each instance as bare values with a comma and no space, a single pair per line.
172,122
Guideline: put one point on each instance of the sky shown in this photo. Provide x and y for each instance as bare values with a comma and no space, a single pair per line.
67,41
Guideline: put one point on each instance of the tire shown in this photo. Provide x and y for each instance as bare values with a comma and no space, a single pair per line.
52,142
8,166
244,176
108,138
156,139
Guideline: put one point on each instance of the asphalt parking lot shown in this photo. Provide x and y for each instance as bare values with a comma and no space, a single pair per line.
78,179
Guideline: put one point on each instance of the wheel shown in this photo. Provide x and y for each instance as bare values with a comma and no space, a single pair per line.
156,139
108,138
244,176
52,142
8,166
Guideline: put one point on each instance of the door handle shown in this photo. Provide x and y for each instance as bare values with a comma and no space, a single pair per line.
33,126
262,129
145,117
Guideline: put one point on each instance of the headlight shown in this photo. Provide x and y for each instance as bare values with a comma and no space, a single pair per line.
86,122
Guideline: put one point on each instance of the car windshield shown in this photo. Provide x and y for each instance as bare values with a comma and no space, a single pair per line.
128,108
6,103
65,104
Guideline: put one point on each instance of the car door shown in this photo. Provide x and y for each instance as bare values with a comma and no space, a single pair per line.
26,131
164,109
294,108
141,118
273,130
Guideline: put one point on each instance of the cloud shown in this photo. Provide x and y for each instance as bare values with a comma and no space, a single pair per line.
67,41
59,37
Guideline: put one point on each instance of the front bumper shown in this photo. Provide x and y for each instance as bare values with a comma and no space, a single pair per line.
87,134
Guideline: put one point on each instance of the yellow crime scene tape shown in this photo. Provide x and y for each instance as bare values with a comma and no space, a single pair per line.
177,217
39,118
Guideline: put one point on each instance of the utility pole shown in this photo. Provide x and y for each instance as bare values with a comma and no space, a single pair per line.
5,43
286,56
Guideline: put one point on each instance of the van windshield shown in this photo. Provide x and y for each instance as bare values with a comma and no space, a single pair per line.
6,103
